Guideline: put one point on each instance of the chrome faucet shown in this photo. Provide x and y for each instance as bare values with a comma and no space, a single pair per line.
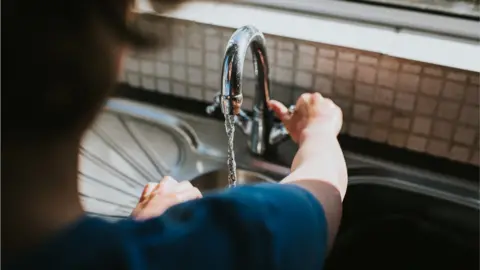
261,128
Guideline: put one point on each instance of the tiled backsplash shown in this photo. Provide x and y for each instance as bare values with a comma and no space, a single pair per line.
405,104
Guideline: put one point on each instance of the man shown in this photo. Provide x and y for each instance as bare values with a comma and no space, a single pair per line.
62,61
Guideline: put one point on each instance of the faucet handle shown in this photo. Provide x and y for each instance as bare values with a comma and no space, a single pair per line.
216,103
278,134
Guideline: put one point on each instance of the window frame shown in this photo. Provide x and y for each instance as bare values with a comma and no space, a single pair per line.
370,13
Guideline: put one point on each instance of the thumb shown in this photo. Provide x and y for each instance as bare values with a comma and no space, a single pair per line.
280,110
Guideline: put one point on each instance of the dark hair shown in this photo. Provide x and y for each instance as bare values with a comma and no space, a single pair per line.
59,61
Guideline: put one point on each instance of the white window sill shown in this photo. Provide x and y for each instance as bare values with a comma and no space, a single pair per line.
402,43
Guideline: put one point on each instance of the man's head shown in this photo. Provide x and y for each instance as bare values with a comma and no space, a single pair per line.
61,60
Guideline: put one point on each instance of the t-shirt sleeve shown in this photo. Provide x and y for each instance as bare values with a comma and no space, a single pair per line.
266,226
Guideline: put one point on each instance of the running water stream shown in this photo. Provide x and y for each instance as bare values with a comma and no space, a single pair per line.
232,166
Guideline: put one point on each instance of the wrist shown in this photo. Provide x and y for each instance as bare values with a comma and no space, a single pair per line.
316,133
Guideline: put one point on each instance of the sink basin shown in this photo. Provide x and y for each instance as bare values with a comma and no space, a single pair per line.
217,180
391,228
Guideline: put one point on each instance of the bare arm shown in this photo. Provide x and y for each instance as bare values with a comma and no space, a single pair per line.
319,168
319,165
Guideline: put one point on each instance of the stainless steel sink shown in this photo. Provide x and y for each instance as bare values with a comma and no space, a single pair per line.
393,217
217,180
132,144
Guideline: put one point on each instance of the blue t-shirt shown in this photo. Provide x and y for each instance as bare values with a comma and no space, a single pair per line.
266,226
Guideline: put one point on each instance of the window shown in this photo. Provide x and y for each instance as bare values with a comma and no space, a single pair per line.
455,18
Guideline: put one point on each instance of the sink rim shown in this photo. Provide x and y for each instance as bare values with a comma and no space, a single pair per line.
155,116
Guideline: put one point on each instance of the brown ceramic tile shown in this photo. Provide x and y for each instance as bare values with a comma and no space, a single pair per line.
368,60
408,82
442,129
345,105
213,61
358,130
162,70
411,68
195,76
345,70
307,49
471,95
361,112
397,139
282,93
179,89
433,71
401,122
431,86
469,115
148,82
448,110
213,44
389,63
453,90
324,85
422,125
195,57
209,95
343,88
464,135
457,76
387,78
416,143
426,105
327,53
284,75
163,85
459,153
195,40
325,66
404,101
366,74
475,79
179,73
210,31
306,62
384,96
304,80
285,59
347,56
364,92
132,64
378,134
179,55
437,148
285,45
212,79
147,67
381,116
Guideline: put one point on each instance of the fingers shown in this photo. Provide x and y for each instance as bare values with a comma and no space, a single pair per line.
182,186
166,184
280,110
147,190
188,194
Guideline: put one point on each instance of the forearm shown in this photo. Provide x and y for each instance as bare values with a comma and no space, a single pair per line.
319,167
320,158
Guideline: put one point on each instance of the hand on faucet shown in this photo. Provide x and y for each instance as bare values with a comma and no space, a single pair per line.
312,112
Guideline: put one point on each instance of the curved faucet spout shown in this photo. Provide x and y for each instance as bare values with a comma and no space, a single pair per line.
232,71
260,126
